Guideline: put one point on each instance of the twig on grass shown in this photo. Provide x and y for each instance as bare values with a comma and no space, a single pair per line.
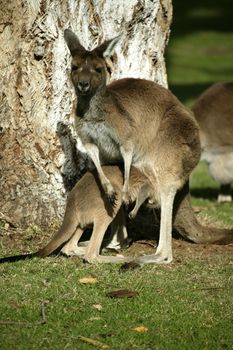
29,324
146,243
210,288
94,342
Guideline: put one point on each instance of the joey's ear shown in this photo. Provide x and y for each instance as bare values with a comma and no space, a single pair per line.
107,48
72,42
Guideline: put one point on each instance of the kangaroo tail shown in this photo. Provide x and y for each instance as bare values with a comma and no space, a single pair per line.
15,258
66,231
187,225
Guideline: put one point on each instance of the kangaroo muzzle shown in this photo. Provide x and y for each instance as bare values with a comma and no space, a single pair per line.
83,86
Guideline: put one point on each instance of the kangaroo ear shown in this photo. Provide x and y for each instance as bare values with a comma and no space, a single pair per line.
107,48
72,42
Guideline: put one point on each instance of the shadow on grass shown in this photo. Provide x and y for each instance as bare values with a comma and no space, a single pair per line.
206,193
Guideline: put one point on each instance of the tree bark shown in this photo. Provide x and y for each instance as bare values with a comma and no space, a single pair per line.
38,159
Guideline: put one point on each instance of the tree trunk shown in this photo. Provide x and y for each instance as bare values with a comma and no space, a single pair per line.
38,160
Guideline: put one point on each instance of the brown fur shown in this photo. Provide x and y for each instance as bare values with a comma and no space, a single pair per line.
187,225
214,113
87,206
138,121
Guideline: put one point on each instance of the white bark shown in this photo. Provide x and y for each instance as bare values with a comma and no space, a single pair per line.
36,93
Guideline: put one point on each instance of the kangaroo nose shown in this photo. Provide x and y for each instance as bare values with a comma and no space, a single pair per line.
83,85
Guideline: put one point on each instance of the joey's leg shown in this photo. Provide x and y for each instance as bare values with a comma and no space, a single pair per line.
142,196
119,235
127,154
93,250
71,247
93,153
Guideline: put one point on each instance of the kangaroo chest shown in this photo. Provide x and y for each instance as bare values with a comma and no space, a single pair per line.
102,135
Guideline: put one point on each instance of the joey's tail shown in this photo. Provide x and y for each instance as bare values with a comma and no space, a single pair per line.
15,258
187,225
65,232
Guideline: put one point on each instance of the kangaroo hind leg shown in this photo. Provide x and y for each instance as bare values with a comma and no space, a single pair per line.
163,254
71,248
93,250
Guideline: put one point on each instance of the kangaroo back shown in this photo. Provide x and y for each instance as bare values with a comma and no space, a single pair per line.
214,112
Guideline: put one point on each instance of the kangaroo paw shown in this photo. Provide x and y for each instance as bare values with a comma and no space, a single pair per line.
125,197
112,198
131,215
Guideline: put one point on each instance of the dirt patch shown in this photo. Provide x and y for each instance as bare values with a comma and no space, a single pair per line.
183,249
144,232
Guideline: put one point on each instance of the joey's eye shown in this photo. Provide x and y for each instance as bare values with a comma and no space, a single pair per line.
74,67
98,70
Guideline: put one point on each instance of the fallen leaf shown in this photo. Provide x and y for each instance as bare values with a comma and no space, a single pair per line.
94,342
94,319
88,280
122,293
140,329
98,307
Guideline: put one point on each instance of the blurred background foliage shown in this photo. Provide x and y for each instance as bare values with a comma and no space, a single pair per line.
200,50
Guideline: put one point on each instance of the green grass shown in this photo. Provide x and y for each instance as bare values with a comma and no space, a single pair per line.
204,192
185,305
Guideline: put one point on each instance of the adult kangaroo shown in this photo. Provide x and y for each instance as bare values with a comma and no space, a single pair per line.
138,121
214,113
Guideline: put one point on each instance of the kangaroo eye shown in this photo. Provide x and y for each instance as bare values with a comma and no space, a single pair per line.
98,70
74,67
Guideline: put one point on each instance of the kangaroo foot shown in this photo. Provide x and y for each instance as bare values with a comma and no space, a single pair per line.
223,198
132,214
105,259
156,258
73,251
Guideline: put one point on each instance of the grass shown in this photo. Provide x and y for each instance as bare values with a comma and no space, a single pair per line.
185,305
204,192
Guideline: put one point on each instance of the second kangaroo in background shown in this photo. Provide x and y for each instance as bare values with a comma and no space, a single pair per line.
139,122
214,113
